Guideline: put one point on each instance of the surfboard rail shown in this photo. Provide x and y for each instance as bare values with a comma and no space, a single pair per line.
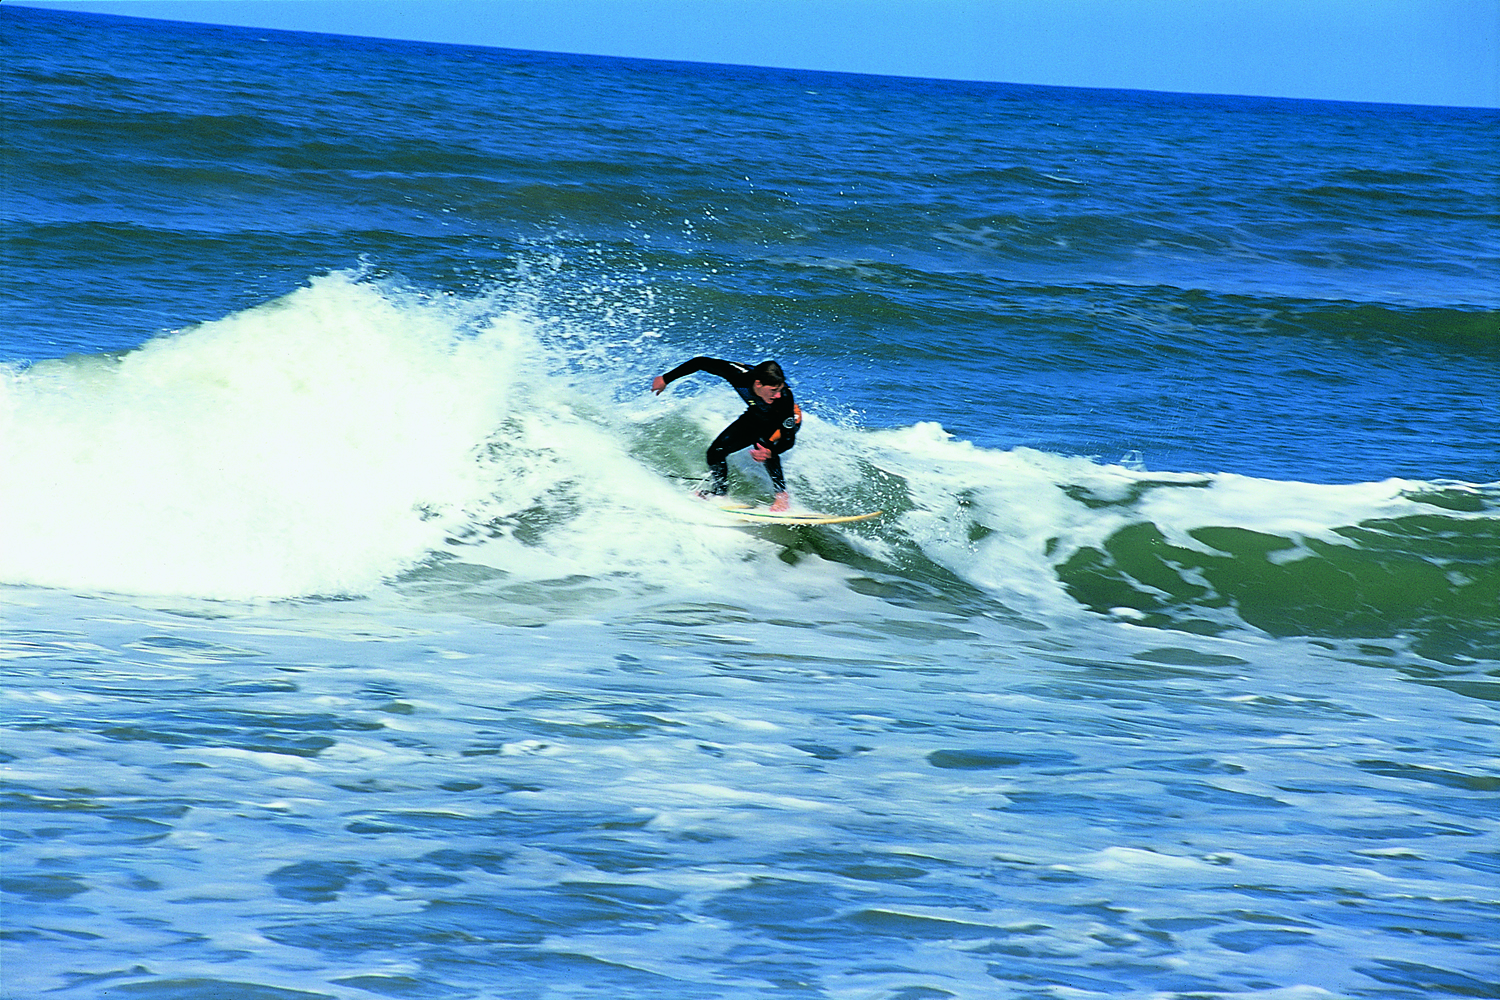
764,515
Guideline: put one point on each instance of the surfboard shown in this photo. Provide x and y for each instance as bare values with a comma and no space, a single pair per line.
764,515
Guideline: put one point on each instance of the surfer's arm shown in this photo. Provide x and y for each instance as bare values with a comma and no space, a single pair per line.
726,370
761,453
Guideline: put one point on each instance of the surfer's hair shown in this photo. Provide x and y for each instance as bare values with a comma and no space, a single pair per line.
768,373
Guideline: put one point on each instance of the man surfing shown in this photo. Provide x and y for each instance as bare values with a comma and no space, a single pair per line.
768,426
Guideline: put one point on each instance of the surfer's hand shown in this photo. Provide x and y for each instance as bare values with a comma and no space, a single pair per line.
760,453
783,501
658,384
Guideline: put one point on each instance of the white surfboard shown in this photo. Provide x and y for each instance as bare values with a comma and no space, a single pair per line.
764,515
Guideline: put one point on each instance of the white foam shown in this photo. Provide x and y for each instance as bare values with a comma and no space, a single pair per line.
311,445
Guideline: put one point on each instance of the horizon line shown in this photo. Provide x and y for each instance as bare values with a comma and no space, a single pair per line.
58,7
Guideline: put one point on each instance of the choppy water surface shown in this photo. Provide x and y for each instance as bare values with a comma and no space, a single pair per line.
700,802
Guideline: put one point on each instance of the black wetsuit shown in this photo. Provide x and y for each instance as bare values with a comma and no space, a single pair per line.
772,425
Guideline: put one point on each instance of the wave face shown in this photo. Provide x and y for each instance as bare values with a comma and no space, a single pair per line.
354,432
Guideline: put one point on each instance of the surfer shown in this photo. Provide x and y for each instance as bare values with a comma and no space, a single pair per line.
768,426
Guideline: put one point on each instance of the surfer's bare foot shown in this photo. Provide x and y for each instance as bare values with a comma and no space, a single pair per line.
782,502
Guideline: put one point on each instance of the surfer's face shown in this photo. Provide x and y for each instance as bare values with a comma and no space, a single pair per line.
767,393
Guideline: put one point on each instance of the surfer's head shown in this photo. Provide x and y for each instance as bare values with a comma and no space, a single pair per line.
768,382
769,373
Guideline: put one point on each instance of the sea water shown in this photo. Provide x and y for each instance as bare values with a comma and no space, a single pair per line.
363,639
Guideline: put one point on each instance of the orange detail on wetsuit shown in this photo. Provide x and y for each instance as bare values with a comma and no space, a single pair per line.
796,415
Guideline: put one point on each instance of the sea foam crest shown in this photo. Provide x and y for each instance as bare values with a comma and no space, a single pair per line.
311,445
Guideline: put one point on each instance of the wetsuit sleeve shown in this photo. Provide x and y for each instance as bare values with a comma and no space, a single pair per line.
727,370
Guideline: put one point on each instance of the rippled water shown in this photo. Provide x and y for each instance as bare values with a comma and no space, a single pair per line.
696,801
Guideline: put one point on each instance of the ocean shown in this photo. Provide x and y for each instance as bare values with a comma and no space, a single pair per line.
362,636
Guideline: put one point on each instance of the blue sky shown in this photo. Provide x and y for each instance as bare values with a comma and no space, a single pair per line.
1394,51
